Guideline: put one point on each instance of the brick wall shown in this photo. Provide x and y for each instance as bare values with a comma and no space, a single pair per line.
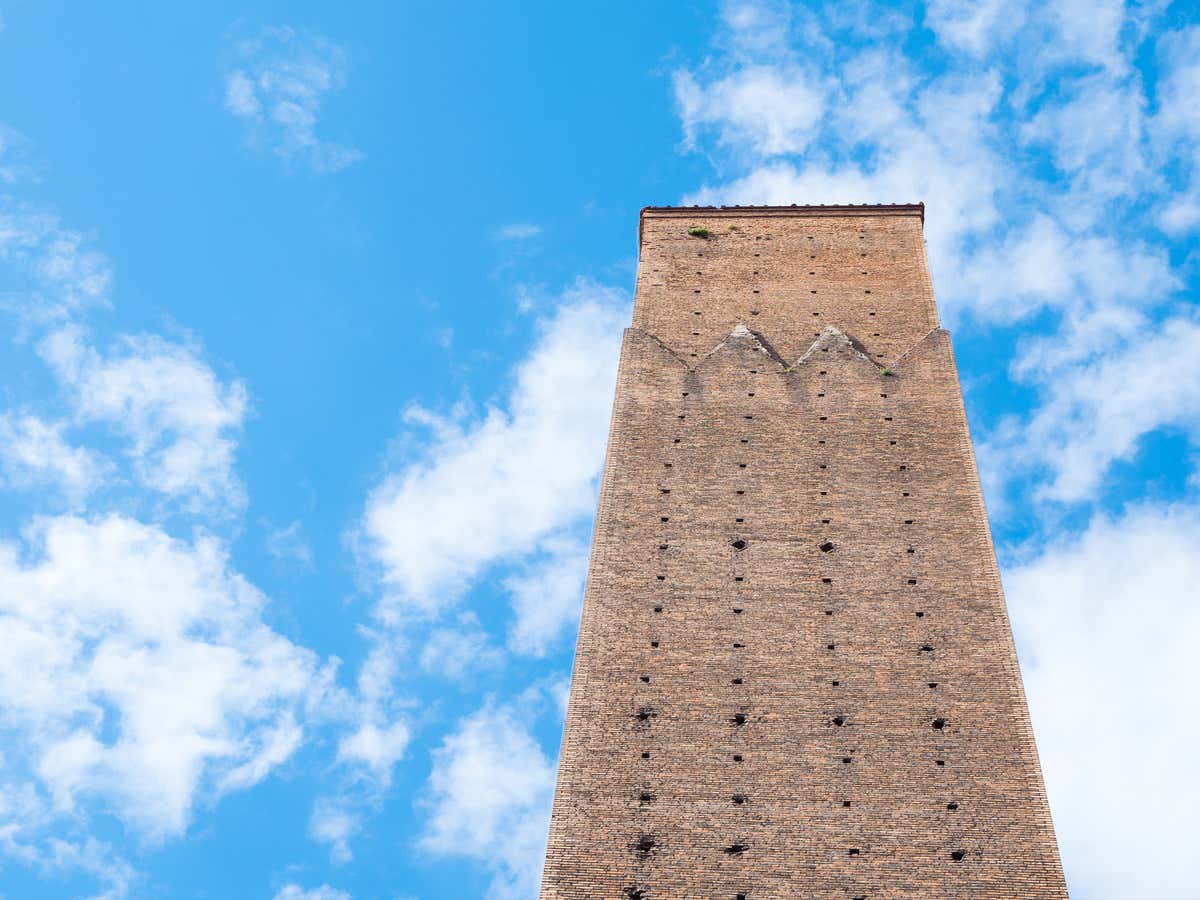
795,674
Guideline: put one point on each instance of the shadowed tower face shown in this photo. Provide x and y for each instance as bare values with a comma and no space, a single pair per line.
795,674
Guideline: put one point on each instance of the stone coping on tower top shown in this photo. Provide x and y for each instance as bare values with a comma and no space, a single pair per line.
832,209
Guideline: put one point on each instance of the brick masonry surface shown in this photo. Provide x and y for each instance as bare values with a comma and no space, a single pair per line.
795,674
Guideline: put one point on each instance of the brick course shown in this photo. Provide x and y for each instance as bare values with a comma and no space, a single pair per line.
795,674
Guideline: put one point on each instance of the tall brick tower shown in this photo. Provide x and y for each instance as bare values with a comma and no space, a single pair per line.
795,674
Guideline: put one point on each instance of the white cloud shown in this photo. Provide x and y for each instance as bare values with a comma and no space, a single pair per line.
34,454
768,110
1042,264
324,892
560,690
1107,627
1095,135
1040,36
1179,82
461,650
973,27
276,87
1182,213
1085,31
333,823
756,29
376,734
271,747
489,796
138,673
179,418
377,747
546,598
240,96
1177,123
56,857
52,271
490,489
1094,412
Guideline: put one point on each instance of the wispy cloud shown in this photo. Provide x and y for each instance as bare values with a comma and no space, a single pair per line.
289,547
276,86
16,155
54,857
52,272
546,595
1095,411
460,650
334,824
518,231
296,892
179,419
35,454
489,798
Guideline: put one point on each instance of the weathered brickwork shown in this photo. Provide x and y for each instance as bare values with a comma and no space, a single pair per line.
795,674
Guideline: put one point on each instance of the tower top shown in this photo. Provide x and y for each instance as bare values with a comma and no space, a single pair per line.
811,210
782,271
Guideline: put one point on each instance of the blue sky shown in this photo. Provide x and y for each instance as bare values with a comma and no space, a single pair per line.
311,322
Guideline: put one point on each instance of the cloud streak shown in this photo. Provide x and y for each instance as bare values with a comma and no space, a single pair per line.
276,87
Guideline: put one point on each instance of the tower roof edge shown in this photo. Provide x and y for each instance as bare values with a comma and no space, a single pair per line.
815,210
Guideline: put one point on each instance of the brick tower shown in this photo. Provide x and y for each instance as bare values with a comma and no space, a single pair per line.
795,674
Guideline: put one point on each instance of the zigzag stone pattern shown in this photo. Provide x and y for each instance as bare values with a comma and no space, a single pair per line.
795,674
